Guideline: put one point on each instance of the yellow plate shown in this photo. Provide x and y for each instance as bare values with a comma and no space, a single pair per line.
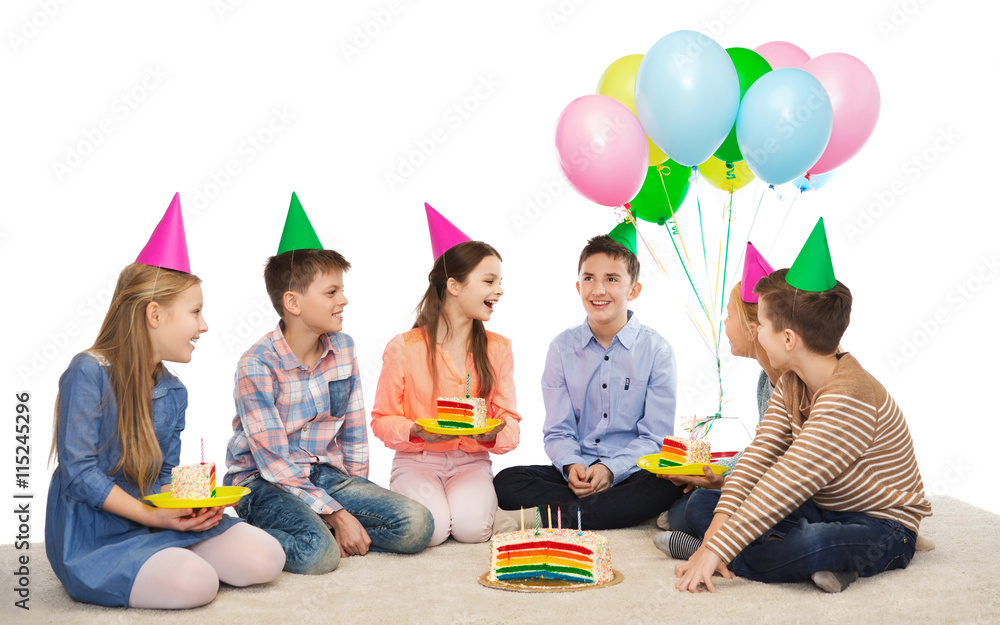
224,496
652,464
431,426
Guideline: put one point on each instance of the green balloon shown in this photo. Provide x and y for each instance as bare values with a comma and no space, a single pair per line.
749,67
662,192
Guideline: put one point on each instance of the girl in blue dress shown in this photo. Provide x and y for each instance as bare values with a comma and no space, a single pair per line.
118,422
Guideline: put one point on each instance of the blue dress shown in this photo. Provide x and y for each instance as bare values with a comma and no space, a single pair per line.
97,554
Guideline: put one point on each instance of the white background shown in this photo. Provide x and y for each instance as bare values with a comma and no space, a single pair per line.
202,79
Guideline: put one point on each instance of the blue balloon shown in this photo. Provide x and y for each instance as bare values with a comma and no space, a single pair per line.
815,181
784,124
687,94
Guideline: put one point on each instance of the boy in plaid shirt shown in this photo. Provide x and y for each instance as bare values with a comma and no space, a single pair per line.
299,439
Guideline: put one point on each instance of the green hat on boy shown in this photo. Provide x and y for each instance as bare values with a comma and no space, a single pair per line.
813,269
624,233
298,233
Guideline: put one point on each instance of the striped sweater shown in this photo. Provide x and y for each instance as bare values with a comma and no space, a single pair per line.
849,450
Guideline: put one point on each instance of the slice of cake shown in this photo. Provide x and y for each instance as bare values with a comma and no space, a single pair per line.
563,554
679,451
193,481
461,412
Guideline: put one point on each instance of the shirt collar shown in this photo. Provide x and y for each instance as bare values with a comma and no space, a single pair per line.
626,336
286,357
166,382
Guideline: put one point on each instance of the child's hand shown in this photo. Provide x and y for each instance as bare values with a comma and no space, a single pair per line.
578,482
420,432
600,477
698,571
491,436
352,537
711,480
185,519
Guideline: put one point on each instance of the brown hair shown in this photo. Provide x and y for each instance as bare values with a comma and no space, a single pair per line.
458,262
295,271
819,318
604,244
124,341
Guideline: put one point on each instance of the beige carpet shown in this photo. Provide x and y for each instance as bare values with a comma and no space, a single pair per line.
955,583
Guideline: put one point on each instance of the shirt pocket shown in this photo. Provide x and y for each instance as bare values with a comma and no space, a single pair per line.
630,395
340,396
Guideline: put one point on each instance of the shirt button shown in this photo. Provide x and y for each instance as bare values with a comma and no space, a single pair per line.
605,358
604,386
605,415
597,440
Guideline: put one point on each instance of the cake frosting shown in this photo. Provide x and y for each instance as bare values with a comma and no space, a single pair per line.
461,412
193,481
561,554
679,451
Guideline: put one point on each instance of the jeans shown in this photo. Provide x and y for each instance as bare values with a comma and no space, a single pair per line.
812,539
393,522
635,499
677,515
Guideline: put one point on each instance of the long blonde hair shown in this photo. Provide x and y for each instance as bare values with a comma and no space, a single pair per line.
747,314
125,342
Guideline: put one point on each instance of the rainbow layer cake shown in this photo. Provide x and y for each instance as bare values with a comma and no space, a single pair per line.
680,451
193,481
461,412
563,554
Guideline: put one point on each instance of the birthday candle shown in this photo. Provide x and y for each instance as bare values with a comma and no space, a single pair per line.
559,517
468,379
550,518
203,450
522,518
538,519
579,523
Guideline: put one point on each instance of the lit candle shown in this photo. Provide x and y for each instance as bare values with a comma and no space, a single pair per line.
550,518
559,517
522,518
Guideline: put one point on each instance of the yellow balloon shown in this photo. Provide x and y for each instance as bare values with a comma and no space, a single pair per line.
618,82
725,176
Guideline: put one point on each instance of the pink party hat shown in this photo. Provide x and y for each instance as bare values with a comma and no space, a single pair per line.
167,248
754,268
444,234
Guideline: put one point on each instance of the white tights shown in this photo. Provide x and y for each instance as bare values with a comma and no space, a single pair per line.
178,578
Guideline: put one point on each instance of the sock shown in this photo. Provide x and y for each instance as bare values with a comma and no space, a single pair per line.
831,581
677,545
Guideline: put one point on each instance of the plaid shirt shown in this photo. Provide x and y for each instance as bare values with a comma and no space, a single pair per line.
289,417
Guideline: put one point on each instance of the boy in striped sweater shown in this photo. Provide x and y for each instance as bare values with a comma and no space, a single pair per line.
829,489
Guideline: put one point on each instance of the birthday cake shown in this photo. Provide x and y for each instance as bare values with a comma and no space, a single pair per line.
461,412
193,481
556,554
680,451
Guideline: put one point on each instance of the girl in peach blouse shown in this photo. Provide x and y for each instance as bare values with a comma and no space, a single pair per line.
449,353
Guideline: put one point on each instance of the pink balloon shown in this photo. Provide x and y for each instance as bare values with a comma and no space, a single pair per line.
602,149
855,99
780,54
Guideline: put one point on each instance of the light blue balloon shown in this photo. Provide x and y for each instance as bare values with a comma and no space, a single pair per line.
687,94
784,124
815,181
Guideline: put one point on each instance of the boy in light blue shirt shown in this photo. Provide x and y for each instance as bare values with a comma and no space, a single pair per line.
609,388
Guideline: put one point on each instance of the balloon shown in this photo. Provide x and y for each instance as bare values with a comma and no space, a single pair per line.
780,54
749,67
687,94
663,191
726,176
602,149
811,182
784,124
618,82
856,101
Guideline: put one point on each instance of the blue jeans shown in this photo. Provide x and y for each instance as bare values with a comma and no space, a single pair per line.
394,523
812,539
677,515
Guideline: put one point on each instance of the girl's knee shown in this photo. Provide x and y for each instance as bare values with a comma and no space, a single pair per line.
473,529
268,560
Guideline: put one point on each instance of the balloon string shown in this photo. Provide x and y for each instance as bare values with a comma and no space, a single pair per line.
798,192
739,263
704,253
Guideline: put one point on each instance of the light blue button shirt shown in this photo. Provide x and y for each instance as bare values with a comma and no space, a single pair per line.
613,405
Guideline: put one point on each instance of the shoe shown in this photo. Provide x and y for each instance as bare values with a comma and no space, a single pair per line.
662,521
924,544
510,520
834,582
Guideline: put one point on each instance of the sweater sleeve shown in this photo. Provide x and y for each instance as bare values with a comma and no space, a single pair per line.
389,423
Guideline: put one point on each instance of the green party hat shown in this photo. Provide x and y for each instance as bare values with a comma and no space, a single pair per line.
298,233
624,233
813,269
